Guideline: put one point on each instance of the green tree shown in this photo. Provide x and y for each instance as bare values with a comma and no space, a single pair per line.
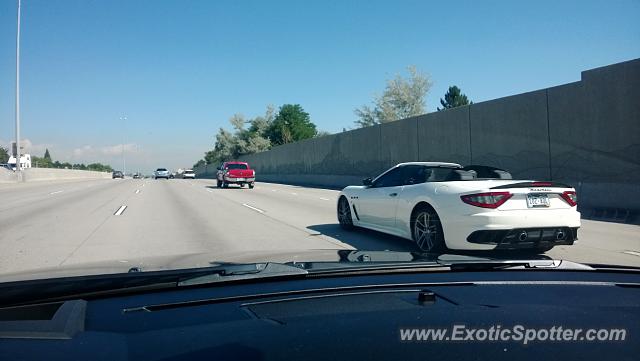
291,124
401,98
453,98
4,155
47,155
233,144
199,163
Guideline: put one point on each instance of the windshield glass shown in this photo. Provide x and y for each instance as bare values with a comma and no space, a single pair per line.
504,130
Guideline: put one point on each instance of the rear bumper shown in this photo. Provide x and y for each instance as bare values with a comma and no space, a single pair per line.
496,229
239,180
525,237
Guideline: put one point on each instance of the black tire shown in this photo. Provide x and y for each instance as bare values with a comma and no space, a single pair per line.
426,230
251,185
344,214
225,184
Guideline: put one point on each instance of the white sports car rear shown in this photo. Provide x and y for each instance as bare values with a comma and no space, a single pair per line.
445,205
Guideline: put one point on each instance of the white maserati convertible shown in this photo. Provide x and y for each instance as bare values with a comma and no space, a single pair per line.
446,206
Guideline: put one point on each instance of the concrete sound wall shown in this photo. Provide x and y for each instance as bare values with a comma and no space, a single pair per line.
585,133
7,176
50,174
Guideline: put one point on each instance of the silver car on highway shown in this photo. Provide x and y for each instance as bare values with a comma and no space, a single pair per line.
161,173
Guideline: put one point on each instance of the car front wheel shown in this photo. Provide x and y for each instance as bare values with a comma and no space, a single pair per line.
251,185
344,214
426,230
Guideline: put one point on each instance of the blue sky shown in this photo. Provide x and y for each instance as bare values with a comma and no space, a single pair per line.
179,69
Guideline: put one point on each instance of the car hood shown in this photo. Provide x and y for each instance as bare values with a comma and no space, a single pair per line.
313,258
184,261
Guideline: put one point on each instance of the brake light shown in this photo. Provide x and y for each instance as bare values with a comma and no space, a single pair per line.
541,184
487,200
570,197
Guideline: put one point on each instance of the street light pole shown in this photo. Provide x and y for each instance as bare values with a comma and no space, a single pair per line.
124,130
18,167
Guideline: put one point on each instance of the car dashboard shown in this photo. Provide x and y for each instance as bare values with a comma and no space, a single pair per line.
348,316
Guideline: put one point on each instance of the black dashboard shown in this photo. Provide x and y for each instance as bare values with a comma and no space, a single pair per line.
349,316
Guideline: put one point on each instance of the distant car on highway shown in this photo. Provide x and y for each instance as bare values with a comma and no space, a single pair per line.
137,175
446,206
235,173
161,173
6,166
117,174
188,174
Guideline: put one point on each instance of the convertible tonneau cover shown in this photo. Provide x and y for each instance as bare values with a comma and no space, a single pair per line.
487,172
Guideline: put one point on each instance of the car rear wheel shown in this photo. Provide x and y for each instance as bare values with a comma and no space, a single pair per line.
426,230
251,185
344,214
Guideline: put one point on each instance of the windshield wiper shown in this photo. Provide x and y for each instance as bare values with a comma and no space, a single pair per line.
47,290
480,264
244,272
383,261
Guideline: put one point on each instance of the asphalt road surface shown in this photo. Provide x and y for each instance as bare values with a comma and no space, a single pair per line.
65,223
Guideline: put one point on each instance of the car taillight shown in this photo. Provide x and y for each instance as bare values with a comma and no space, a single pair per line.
487,200
541,184
570,197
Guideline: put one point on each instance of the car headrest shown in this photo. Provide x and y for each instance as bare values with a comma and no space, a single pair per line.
460,175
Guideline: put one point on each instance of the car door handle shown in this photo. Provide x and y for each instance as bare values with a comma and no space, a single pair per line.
393,194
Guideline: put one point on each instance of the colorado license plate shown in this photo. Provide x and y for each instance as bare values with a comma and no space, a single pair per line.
537,200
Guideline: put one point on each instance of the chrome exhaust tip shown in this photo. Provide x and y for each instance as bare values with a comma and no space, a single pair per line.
560,235
523,236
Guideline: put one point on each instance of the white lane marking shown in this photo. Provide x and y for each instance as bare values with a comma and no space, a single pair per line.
137,191
120,210
325,199
254,208
633,253
56,192
274,190
209,190
295,194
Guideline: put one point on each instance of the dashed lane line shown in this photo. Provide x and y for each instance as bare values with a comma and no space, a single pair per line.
120,210
254,208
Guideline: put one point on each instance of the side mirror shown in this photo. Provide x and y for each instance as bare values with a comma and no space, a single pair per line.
367,181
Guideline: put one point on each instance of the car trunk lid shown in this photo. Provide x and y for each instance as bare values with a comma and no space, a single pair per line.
520,195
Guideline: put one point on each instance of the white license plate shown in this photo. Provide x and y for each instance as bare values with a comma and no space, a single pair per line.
537,200
240,179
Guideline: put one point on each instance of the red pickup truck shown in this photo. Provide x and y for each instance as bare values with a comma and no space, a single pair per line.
235,173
